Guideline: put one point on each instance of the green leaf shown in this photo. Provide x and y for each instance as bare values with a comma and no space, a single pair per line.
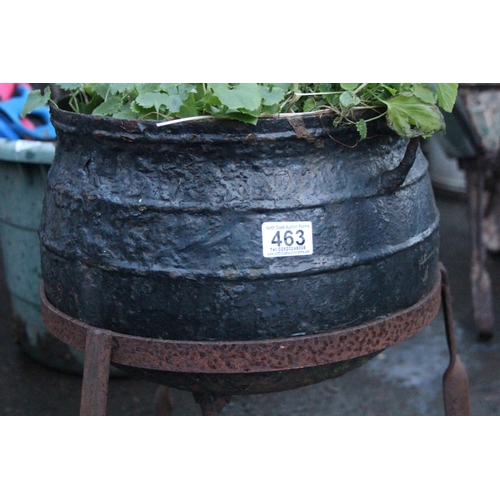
35,100
144,88
126,113
118,88
328,87
138,109
189,106
70,86
272,96
349,86
243,117
101,89
361,128
348,100
153,100
424,93
390,88
432,86
186,88
174,103
181,96
244,97
332,99
309,104
88,107
447,95
109,107
410,117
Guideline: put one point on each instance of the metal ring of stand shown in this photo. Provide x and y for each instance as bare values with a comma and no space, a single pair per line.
102,347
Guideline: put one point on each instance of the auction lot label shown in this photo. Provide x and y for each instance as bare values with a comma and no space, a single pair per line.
285,239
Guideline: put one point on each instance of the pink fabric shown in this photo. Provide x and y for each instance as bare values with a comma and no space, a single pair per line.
7,90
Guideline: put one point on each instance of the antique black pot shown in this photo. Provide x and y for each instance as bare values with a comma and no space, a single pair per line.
217,230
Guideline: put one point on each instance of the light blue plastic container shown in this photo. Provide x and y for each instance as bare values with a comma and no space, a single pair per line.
23,173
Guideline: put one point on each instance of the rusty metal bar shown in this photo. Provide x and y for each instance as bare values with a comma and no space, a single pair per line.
474,136
455,380
251,356
103,346
211,404
96,373
163,405
482,295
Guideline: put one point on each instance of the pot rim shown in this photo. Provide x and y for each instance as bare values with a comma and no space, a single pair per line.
310,126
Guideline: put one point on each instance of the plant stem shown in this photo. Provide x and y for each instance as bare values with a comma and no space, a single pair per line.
362,86
300,94
187,119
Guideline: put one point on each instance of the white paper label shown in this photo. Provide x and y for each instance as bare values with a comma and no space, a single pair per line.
285,239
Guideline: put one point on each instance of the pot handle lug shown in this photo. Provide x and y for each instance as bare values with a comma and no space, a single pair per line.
391,180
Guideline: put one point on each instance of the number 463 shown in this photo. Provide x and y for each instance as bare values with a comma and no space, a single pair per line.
289,238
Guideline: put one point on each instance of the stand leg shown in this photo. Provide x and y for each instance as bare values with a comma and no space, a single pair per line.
211,404
482,299
455,380
96,374
163,405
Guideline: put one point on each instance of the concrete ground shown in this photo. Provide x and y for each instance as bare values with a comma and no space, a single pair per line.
406,379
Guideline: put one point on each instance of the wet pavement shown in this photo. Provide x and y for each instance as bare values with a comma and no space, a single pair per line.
406,379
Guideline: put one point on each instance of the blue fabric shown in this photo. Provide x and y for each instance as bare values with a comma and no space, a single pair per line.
10,119
6,130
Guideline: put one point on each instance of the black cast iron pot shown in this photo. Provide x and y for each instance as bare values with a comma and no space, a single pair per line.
217,230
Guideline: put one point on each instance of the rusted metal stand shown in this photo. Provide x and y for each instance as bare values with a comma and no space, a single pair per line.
455,380
473,133
482,294
102,347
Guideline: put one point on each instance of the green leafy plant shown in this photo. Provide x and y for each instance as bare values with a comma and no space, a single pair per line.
410,109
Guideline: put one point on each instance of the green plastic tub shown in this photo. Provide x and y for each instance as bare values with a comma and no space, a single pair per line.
23,172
